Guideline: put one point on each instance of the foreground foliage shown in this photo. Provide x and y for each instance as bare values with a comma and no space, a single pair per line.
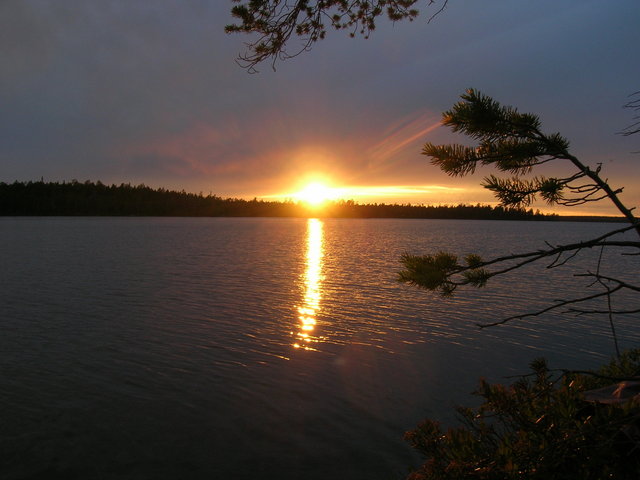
539,427
545,425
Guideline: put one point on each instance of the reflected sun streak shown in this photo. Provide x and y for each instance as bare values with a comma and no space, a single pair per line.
312,281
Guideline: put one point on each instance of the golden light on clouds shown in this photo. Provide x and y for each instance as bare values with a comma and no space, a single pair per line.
408,132
375,166
384,191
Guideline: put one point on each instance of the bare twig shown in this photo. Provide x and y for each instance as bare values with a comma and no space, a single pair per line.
560,303
440,10
609,309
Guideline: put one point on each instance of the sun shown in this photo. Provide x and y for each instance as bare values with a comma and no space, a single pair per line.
315,194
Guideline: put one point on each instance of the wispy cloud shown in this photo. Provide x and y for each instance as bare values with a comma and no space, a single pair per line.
403,133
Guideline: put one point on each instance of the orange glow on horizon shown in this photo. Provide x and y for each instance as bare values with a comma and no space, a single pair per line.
316,193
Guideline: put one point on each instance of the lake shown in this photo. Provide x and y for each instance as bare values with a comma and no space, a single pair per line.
205,348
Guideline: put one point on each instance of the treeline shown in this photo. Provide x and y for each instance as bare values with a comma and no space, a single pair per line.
350,209
97,199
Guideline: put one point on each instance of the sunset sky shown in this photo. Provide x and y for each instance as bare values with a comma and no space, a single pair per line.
142,91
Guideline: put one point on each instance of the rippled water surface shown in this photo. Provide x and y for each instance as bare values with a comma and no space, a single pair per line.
163,348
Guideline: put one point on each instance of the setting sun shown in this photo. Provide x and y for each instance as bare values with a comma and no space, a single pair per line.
316,194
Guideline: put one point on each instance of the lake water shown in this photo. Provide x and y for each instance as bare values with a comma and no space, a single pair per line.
205,348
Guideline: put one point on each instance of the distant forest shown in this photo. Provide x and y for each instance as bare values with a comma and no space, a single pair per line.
96,199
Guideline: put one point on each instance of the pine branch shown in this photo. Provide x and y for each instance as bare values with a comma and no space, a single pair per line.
436,273
482,118
513,141
277,23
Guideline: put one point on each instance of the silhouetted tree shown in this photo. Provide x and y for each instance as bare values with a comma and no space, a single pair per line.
514,142
540,428
276,21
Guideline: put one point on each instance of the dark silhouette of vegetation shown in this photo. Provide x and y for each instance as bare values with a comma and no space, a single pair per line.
546,425
513,142
276,21
88,198
540,426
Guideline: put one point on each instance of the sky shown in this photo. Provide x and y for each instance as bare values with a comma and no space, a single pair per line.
133,91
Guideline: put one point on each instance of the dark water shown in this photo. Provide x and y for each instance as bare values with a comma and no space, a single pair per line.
162,348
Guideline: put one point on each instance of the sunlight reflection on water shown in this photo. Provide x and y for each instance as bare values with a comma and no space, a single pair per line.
307,312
